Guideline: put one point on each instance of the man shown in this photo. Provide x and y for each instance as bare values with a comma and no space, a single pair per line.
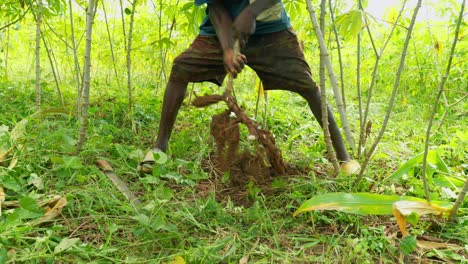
268,45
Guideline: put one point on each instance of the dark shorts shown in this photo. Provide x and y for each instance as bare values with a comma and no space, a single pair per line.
277,58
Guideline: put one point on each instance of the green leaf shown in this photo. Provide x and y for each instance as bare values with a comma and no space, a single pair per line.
142,219
65,244
3,254
357,203
350,24
160,157
413,218
128,11
30,204
433,158
408,244
10,182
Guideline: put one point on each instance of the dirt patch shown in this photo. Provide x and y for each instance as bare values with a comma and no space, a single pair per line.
240,174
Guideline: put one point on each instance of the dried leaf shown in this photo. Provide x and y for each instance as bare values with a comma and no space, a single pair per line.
52,213
244,260
402,209
436,245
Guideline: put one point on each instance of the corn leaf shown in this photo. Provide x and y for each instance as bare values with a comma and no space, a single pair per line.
357,203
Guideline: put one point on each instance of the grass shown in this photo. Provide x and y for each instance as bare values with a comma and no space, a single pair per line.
181,216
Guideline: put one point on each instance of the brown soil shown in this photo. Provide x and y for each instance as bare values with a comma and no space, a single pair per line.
237,174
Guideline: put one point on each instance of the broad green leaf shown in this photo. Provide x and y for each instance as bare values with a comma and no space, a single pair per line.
350,24
142,219
408,244
433,158
358,203
160,157
29,204
65,244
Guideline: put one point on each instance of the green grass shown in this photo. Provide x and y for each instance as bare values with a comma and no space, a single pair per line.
180,215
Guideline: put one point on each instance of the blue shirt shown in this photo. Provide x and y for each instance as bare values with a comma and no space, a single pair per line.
273,19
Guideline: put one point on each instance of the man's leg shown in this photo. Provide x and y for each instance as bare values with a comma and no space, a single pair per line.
202,61
173,98
279,61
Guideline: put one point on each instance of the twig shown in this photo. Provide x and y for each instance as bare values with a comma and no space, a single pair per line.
14,21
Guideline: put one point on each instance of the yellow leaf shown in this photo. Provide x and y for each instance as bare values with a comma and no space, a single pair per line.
401,209
177,260
404,101
419,207
52,212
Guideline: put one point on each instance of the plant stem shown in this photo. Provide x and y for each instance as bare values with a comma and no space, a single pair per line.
378,54
111,46
38,55
323,96
129,59
460,199
394,92
436,103
75,58
86,77
322,55
340,57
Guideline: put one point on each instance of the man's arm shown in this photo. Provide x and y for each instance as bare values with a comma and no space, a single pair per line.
245,23
222,22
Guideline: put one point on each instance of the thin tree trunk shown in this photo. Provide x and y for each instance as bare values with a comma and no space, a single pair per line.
436,103
124,30
129,59
378,54
54,73
358,85
7,52
75,58
323,13
331,73
340,57
394,92
111,46
38,56
323,97
86,77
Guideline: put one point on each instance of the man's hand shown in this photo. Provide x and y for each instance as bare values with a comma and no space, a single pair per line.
244,26
234,64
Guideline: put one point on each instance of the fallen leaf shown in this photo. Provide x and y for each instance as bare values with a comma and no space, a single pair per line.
244,260
436,245
65,244
52,213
